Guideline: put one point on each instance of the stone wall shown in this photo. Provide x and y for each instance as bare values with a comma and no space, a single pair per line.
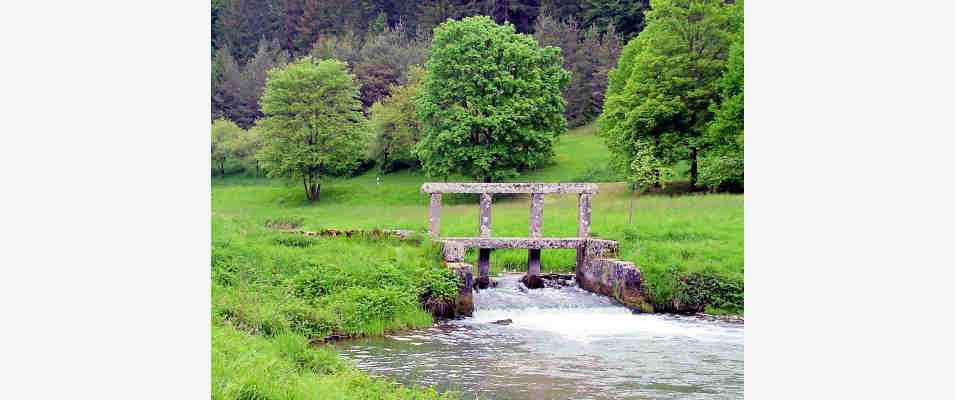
599,272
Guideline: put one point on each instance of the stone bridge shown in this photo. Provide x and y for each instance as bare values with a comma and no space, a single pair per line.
596,270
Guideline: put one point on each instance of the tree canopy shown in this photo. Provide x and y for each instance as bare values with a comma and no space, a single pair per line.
224,134
394,121
722,165
490,103
313,125
659,96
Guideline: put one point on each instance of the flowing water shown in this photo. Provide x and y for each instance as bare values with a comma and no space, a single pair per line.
562,344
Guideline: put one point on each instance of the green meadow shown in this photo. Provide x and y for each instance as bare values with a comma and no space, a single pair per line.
274,293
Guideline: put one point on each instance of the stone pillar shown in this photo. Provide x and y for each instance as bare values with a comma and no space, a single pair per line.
484,268
537,214
485,217
583,215
537,218
533,261
484,255
434,215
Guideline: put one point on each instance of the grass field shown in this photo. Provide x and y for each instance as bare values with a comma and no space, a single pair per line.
272,292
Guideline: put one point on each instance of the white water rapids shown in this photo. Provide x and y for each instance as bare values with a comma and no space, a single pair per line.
562,344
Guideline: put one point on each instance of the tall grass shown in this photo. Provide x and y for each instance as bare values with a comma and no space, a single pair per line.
287,367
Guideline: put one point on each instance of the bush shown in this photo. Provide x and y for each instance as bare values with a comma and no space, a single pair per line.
722,173
224,133
372,311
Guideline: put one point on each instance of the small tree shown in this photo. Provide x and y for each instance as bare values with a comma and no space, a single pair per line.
244,148
395,123
224,133
313,124
491,103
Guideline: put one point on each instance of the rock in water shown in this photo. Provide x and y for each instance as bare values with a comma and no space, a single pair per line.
503,321
532,281
484,282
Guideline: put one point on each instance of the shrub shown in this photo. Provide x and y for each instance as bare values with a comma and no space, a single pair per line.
224,133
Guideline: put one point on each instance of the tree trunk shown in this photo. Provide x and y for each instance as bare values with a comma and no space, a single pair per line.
694,167
311,191
222,169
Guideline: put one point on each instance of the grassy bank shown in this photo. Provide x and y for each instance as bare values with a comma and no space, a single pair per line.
276,296
273,291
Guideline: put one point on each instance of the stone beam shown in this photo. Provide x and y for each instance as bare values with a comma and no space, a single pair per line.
446,187
516,242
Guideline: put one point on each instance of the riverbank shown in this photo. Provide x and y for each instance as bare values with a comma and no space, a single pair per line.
561,342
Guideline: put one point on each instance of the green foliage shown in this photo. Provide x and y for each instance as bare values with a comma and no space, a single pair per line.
665,82
491,103
244,148
441,284
396,127
313,125
646,170
722,165
287,367
365,310
626,15
588,55
224,134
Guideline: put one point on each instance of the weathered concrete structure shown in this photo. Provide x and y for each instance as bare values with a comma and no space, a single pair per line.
595,270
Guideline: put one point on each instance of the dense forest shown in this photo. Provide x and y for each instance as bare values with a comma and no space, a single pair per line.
662,80
381,39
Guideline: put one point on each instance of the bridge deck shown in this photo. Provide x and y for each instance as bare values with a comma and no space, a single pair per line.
450,187
518,242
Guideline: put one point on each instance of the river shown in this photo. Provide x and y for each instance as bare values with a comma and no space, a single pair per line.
561,343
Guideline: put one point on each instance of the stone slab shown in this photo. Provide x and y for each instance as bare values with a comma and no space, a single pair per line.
448,187
517,242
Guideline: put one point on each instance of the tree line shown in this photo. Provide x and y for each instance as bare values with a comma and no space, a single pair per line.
379,51
484,100
297,24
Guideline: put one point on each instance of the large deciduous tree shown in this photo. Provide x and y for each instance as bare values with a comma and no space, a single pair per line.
660,94
722,165
490,103
313,125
